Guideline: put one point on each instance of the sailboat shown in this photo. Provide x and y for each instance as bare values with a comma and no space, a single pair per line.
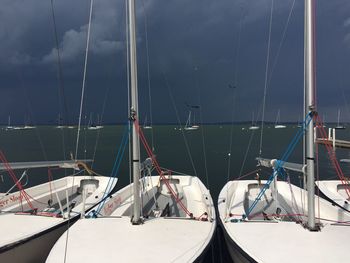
32,219
277,125
92,125
253,126
26,126
145,125
59,122
167,217
9,127
189,126
339,126
273,221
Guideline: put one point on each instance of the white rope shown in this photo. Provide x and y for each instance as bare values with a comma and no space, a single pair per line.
266,79
84,78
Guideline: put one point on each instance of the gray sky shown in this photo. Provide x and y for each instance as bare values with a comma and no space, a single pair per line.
182,36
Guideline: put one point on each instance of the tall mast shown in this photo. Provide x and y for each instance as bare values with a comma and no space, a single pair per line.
309,68
134,114
338,117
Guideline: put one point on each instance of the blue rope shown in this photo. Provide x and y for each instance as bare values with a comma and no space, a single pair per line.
114,172
279,166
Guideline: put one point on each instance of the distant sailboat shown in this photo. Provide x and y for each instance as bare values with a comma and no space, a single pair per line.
339,126
92,125
254,126
9,126
189,126
277,125
145,125
59,122
324,121
25,127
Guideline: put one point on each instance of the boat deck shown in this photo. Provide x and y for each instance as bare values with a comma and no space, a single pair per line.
289,242
157,240
19,227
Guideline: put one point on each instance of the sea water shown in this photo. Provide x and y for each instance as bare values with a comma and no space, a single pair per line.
214,153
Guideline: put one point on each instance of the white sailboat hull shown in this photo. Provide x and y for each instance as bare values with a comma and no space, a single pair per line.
272,240
158,239
29,237
280,126
191,128
36,248
335,191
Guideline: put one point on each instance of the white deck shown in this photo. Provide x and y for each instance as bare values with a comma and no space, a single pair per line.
159,239
117,240
17,227
335,190
289,242
278,240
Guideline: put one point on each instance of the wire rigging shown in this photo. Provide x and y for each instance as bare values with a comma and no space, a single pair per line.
84,80
148,73
233,88
202,129
266,79
179,122
61,93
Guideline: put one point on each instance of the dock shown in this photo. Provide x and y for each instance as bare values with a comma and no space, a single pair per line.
331,140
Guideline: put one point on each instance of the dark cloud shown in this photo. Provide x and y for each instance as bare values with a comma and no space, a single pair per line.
183,35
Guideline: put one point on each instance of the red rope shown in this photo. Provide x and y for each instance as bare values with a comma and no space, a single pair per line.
159,170
332,156
16,181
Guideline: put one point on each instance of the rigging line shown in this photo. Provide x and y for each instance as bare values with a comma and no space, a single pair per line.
80,115
274,64
61,92
148,74
202,129
100,122
266,79
236,69
37,133
231,134
84,79
246,153
179,122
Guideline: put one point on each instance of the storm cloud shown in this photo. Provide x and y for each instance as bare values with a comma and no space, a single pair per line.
182,36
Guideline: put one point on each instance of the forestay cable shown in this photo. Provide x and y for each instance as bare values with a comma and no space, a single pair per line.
84,78
266,79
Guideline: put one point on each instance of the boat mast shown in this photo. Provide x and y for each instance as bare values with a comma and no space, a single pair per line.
309,68
136,218
338,118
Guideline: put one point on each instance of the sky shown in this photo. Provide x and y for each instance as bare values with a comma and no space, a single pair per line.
196,48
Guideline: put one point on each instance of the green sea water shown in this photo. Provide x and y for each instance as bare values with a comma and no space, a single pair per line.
208,153
205,152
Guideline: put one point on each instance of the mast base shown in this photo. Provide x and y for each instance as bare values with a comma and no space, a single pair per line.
136,222
316,228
